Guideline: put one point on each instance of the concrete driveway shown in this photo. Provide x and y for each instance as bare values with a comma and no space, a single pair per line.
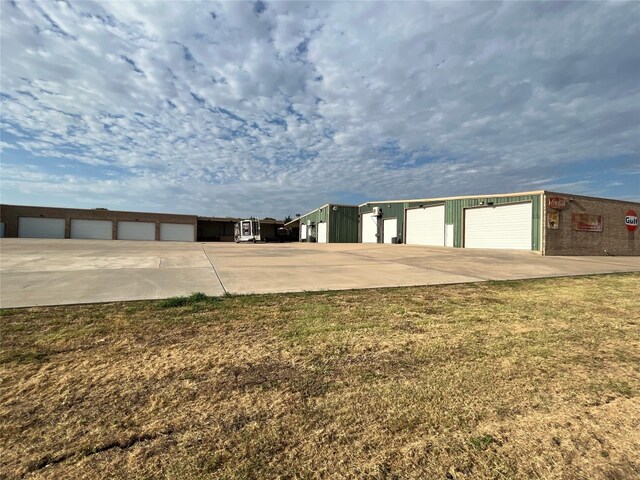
55,272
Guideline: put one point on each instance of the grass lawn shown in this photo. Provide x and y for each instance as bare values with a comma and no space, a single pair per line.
500,380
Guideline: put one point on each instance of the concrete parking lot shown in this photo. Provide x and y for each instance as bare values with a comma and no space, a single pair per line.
51,272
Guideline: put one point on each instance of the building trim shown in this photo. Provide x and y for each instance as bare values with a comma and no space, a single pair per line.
461,197
496,195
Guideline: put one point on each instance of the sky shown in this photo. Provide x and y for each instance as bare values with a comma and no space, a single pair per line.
276,108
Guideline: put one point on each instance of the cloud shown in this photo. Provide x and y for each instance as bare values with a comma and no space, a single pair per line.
240,108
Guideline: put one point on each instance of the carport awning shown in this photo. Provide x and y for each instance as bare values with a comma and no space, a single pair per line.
292,223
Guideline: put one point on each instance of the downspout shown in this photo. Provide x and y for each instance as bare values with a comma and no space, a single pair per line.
543,219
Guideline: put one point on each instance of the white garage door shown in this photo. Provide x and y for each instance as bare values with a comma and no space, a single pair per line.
303,231
136,231
176,232
97,229
390,229
425,226
35,227
322,232
369,228
500,226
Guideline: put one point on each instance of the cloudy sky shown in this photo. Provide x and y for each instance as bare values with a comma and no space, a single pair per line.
244,108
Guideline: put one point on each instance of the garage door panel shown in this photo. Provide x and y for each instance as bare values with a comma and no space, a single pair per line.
500,226
425,226
36,227
390,229
136,231
176,232
369,228
322,232
92,229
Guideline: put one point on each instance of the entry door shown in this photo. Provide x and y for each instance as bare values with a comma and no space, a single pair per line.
499,226
425,226
303,231
322,232
448,237
369,228
390,229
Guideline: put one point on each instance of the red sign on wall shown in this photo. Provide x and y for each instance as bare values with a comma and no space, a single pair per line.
587,222
631,220
557,202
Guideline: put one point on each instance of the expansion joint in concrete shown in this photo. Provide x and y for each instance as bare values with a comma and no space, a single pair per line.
214,270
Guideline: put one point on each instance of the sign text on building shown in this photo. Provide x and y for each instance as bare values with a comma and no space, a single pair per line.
557,202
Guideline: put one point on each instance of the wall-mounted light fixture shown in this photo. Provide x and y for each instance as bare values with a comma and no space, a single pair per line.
335,208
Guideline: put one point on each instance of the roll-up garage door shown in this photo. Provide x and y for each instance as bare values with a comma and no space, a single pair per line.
176,232
499,226
95,229
136,231
369,228
322,232
303,231
425,226
36,227
390,229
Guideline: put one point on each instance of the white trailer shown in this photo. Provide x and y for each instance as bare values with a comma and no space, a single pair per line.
247,231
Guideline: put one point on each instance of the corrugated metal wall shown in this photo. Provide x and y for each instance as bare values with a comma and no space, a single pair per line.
391,210
343,224
395,210
317,216
454,213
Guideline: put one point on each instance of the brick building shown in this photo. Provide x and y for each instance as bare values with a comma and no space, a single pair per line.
103,224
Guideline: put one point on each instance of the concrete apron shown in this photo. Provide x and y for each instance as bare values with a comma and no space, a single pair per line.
57,272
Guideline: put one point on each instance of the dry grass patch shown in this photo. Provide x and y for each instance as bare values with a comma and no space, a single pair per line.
528,379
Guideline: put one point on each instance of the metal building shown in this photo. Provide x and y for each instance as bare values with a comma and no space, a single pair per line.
495,221
547,222
331,223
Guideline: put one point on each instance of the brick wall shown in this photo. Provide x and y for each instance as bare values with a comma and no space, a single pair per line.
615,238
9,214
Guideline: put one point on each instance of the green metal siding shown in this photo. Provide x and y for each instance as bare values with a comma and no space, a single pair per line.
317,216
395,210
454,213
343,224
